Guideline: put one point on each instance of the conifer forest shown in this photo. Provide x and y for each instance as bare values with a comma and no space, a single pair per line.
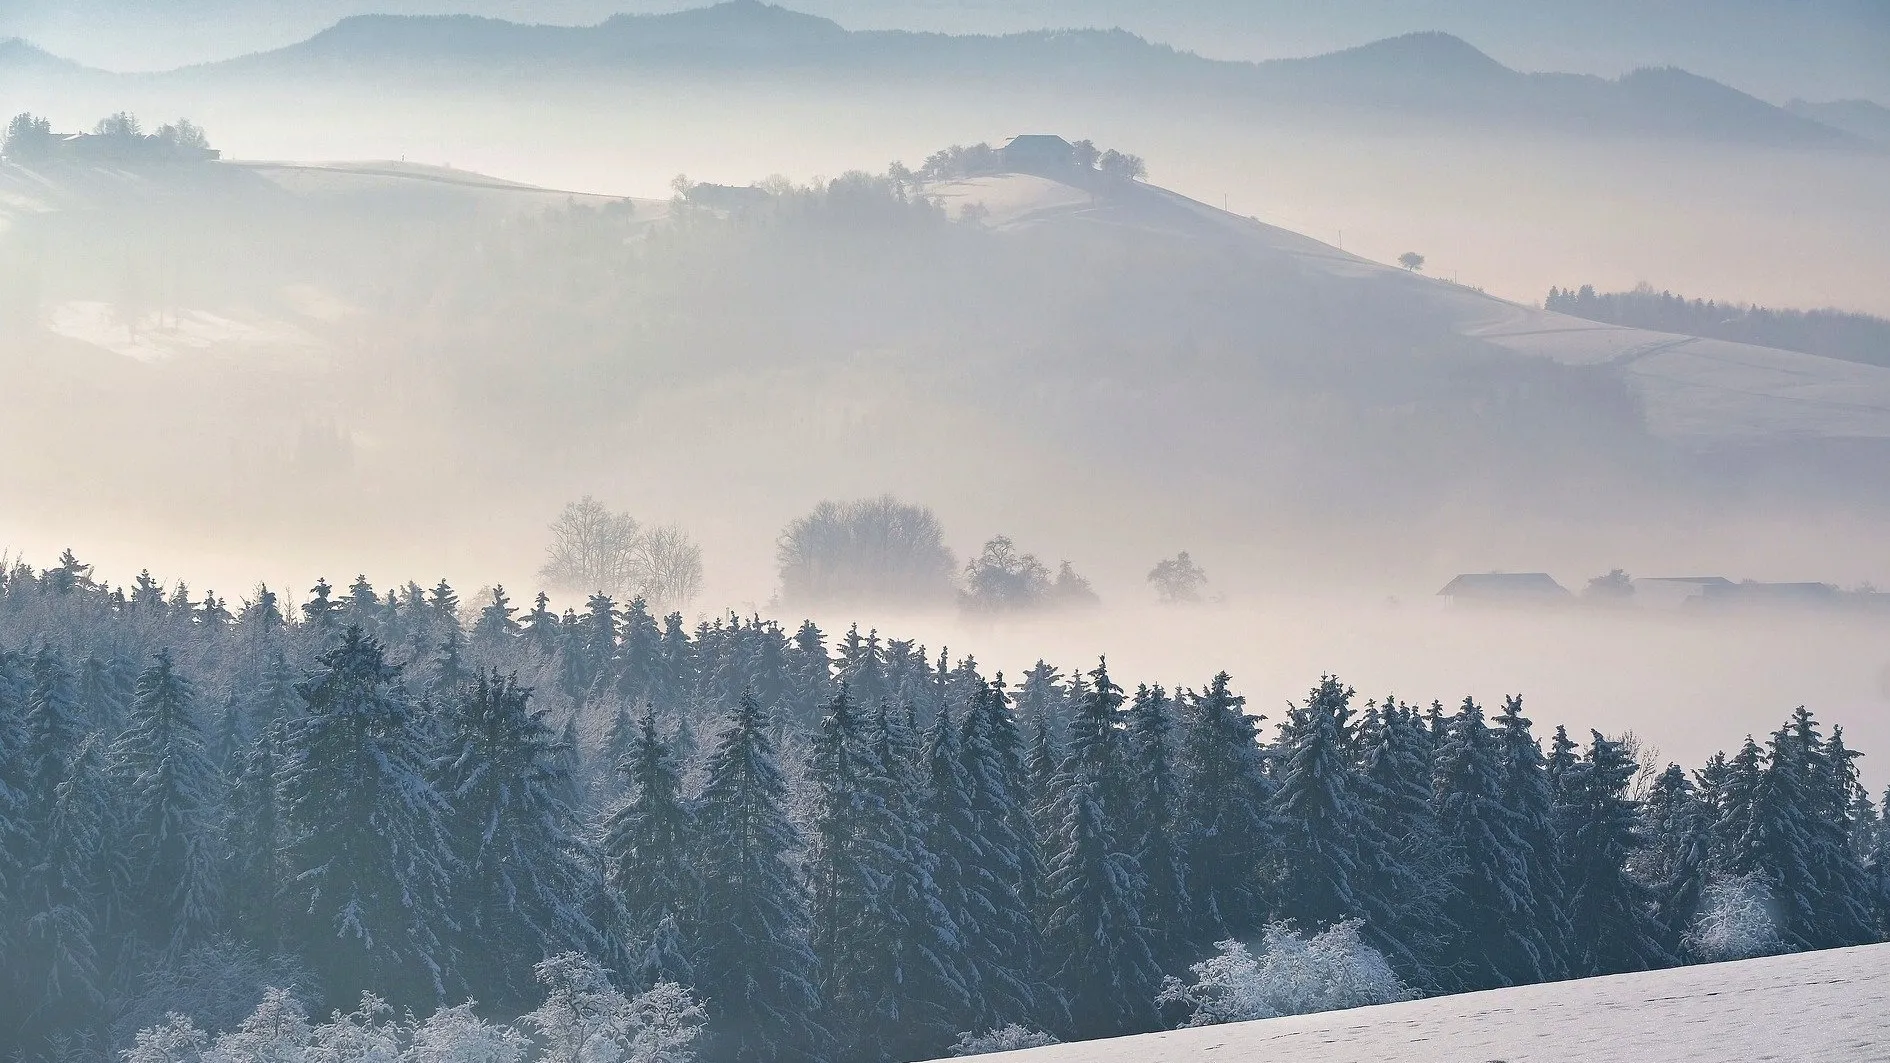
744,842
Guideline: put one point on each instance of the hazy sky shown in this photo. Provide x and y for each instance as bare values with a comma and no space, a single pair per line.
1773,48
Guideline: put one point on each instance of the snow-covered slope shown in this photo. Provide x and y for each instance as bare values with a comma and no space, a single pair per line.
1821,1007
1694,388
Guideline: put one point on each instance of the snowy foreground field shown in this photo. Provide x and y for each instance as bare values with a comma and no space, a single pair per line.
1820,1007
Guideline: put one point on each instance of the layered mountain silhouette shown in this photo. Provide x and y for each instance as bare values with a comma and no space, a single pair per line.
1423,76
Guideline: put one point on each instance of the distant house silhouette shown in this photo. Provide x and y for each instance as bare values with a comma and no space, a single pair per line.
1672,592
106,148
1775,594
1505,588
1038,153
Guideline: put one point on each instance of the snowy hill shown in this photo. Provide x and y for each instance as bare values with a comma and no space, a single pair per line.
1822,1007
1689,388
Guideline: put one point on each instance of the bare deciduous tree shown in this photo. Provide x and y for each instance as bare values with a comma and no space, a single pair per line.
593,550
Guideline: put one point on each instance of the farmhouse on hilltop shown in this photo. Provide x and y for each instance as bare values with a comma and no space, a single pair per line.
1038,153
1505,588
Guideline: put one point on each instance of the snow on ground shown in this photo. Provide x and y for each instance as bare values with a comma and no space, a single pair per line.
1692,388
162,337
1821,1007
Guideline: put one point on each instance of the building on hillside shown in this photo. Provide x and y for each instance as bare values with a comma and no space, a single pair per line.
1038,153
1505,588
1797,595
109,148
1674,592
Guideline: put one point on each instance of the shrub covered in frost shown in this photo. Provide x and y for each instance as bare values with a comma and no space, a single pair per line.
584,1020
1292,975
1003,1039
1735,920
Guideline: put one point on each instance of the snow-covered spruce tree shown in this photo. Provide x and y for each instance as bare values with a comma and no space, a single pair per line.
755,969
522,872
254,836
1101,962
497,623
650,861
1610,913
69,877
15,780
1877,872
922,992
1503,938
1318,819
1225,795
1154,830
1331,862
846,871
366,843
1008,879
1529,792
169,796
951,836
1830,784
1675,822
1413,867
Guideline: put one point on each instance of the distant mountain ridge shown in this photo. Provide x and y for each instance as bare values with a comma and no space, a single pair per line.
1416,75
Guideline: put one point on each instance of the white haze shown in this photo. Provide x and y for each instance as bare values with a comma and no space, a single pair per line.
1329,566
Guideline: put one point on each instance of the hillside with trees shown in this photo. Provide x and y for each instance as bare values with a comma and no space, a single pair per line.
798,845
1830,333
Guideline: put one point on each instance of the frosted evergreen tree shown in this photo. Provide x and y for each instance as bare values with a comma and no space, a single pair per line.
168,793
849,873
953,837
922,993
1676,823
1154,832
522,868
1504,938
496,624
105,693
639,654
1411,864
1100,957
366,845
15,783
256,877
755,969
73,871
539,628
1610,913
649,854
321,613
811,670
1529,791
1009,877
1226,794
1796,837
1318,820
362,606
1877,873
1040,699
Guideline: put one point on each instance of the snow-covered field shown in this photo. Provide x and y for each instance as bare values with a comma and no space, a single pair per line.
1821,1007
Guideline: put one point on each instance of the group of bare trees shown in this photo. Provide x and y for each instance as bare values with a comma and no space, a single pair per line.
595,550
872,551
888,552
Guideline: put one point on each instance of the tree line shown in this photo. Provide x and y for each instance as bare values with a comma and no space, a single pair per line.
847,849
1831,333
